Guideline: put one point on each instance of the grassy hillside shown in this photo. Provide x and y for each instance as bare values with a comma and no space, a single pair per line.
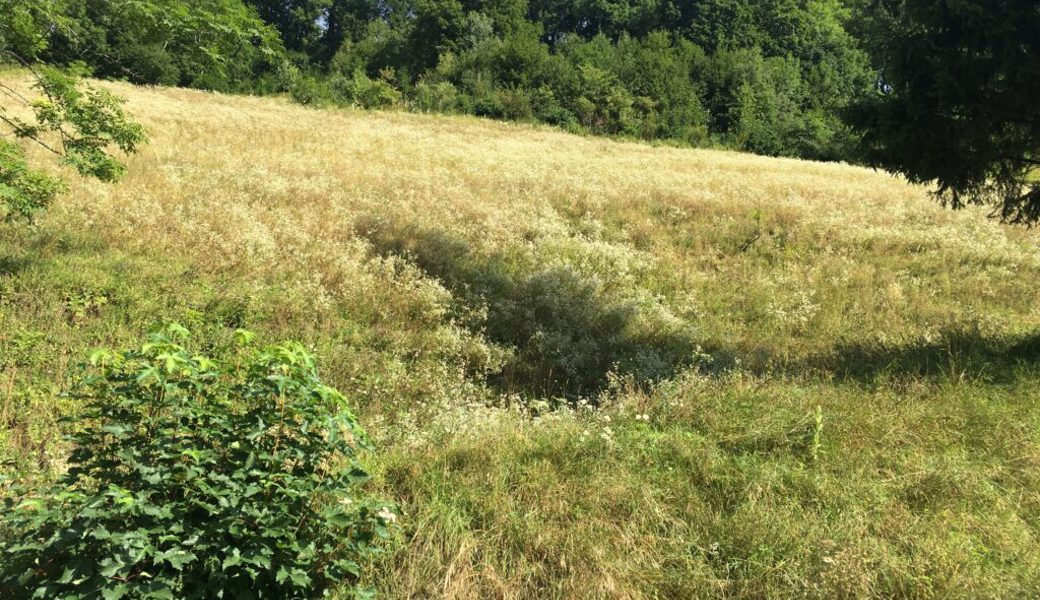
592,369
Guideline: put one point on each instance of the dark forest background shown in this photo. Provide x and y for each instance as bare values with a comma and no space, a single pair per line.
767,76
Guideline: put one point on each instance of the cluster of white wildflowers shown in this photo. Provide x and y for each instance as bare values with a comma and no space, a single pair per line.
797,310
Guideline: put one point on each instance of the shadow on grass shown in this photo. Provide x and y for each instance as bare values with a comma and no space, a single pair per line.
13,265
956,353
567,331
22,247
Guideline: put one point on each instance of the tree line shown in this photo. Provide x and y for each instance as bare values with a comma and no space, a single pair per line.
769,76
937,90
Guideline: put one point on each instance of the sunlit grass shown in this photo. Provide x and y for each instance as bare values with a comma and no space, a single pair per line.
469,283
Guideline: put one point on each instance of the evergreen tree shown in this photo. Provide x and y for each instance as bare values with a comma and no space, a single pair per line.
964,78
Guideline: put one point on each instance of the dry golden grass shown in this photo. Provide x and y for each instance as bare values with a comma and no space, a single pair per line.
810,285
259,186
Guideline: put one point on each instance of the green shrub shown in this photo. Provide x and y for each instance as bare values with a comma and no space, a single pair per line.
547,107
376,93
192,478
308,90
24,191
489,105
515,104
440,96
364,92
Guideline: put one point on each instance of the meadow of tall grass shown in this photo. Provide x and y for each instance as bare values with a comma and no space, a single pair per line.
592,369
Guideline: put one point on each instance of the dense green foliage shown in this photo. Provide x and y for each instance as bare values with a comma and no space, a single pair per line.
963,108
765,76
23,28
24,191
217,44
192,478
77,123
771,77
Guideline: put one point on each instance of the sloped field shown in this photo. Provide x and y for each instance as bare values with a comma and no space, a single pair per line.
592,368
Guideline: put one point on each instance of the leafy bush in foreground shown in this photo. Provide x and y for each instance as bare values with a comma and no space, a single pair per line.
196,479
